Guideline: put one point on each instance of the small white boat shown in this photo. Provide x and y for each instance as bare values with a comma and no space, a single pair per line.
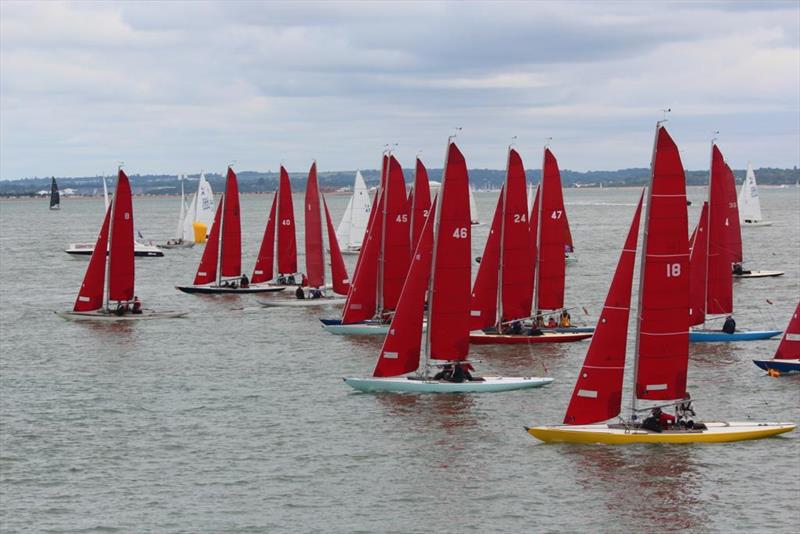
421,384
184,234
364,328
109,315
200,213
758,274
749,203
353,226
140,250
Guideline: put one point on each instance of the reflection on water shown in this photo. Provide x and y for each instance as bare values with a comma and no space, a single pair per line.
647,488
715,354
520,359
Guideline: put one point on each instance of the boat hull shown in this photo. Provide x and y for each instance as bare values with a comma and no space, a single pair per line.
137,253
756,224
716,336
103,315
304,303
782,366
217,290
166,246
759,274
482,338
616,435
403,384
366,328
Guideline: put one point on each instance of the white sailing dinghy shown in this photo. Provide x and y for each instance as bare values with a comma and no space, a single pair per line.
55,197
112,280
200,214
184,237
749,203
315,257
661,356
353,225
220,269
440,268
473,208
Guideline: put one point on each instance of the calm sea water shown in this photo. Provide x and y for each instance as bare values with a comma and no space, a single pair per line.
235,419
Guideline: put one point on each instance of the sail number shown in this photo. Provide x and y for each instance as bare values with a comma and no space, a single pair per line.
556,214
673,270
402,218
460,233
519,217
286,222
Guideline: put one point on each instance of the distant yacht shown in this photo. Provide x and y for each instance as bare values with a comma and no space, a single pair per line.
749,204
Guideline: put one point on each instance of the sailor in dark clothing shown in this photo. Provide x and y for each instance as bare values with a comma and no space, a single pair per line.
516,328
316,293
445,374
137,305
299,293
534,331
245,281
458,374
737,269
729,327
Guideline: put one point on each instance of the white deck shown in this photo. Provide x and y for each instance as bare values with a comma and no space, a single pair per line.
404,384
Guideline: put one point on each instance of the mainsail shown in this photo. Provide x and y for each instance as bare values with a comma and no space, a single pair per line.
55,197
262,272
724,235
353,225
421,202
230,264
749,203
789,348
698,269
287,241
120,250
315,262
551,260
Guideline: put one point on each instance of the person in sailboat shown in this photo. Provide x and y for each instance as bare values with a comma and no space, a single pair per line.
445,374
122,308
739,270
565,321
534,330
137,306
729,326
539,319
316,293
551,322
299,293
516,328
244,282
685,412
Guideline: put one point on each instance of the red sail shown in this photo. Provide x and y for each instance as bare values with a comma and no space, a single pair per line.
90,296
552,264
362,297
517,290
448,324
483,305
421,203
207,270
663,340
120,255
287,242
789,348
698,265
231,250
401,346
397,246
262,272
341,284
598,391
533,247
568,246
315,262
722,235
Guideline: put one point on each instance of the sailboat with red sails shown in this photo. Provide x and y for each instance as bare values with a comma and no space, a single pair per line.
661,356
384,260
714,254
503,290
440,270
107,291
220,269
315,256
787,357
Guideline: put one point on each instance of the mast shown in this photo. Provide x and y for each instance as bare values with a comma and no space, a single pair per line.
107,255
641,267
708,231
276,245
502,248
387,154
221,237
439,197
539,235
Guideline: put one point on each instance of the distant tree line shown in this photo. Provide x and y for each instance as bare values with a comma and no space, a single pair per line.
258,182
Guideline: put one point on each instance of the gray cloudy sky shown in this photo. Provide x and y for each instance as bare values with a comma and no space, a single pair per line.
183,86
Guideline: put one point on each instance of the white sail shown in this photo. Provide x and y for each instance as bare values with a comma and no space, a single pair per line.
188,220
180,231
473,207
353,226
205,203
531,197
105,192
749,205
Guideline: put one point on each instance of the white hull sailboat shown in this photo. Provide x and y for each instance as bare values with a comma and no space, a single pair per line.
749,203
184,234
440,269
353,226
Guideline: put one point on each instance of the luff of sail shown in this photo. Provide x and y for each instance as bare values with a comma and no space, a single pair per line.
353,226
120,251
597,395
448,303
662,344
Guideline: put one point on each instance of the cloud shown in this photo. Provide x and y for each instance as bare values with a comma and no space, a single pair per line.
175,86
